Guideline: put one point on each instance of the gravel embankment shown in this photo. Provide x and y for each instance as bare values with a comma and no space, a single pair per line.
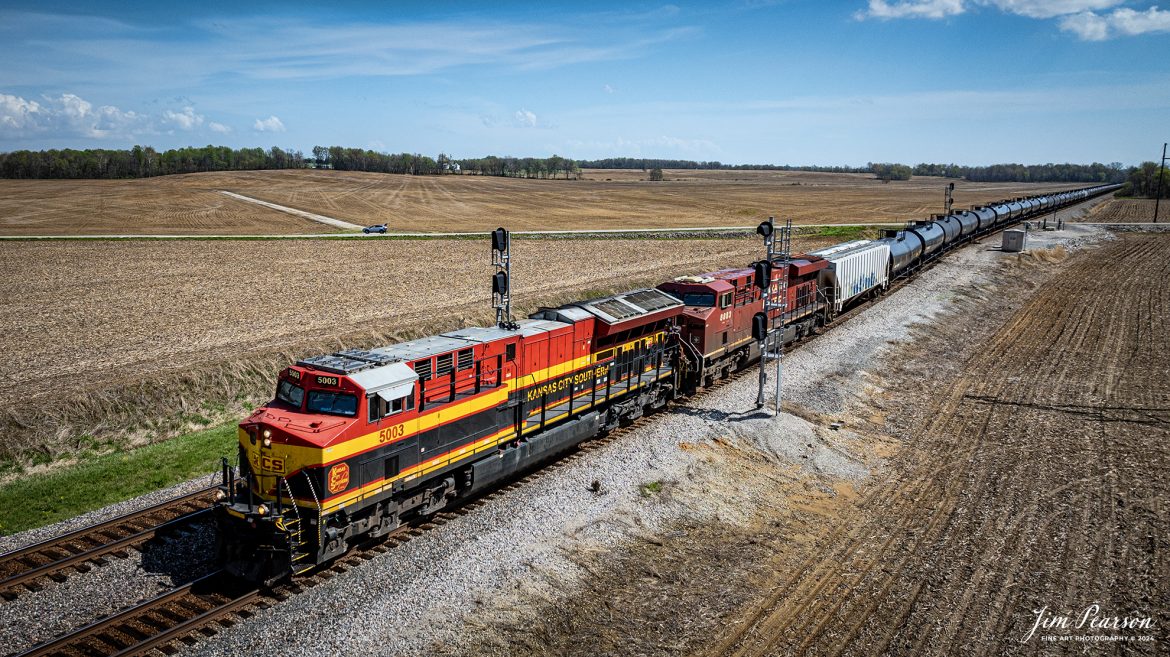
420,595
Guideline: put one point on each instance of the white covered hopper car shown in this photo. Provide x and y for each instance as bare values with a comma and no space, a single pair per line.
854,268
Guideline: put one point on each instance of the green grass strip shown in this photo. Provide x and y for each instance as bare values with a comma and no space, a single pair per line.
41,499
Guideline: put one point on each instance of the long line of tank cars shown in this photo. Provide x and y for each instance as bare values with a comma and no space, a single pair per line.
357,442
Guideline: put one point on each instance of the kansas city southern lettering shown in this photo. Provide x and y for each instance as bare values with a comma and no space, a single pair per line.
560,385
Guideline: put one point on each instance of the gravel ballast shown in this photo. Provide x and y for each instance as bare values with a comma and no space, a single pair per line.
420,595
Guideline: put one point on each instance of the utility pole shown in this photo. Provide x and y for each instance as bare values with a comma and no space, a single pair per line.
1158,196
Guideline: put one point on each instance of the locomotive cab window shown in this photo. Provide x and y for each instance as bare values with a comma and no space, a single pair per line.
510,351
725,300
290,394
695,299
332,403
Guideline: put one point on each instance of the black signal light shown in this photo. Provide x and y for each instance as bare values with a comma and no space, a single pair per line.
500,240
499,283
763,274
759,326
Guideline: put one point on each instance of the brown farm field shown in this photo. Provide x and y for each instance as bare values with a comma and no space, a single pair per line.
1124,211
117,337
603,199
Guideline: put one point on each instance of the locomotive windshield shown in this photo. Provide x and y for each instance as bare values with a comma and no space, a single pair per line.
290,394
333,403
701,299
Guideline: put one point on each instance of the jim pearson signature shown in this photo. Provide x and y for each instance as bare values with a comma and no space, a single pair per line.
1091,618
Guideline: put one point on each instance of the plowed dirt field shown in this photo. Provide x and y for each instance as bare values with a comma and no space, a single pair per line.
192,204
1037,477
1126,210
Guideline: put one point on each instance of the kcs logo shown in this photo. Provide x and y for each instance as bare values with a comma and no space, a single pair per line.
338,478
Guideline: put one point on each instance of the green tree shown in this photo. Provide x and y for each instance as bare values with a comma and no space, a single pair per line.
887,171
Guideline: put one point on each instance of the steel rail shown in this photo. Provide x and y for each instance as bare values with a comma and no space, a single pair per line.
100,534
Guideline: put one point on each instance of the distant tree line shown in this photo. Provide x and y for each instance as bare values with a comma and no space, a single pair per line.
358,159
143,162
647,164
523,167
1074,173
1143,181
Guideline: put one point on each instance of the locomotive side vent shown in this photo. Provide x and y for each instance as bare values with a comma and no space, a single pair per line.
465,359
444,367
423,369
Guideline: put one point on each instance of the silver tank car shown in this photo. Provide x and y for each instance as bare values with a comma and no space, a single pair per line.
969,221
931,233
904,249
986,217
951,226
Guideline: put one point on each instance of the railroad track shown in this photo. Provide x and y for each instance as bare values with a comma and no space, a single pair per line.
20,570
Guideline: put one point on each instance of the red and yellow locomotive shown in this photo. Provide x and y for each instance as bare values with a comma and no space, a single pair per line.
357,442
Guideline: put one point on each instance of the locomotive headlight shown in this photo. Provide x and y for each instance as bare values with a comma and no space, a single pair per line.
268,442
262,510
268,438
219,495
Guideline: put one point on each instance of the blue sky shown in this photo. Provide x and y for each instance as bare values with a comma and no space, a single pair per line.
785,82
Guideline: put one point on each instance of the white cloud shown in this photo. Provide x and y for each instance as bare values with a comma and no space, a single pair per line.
913,9
1050,8
1087,25
607,89
71,116
525,119
1130,22
186,119
18,114
1079,17
1120,22
270,124
67,115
